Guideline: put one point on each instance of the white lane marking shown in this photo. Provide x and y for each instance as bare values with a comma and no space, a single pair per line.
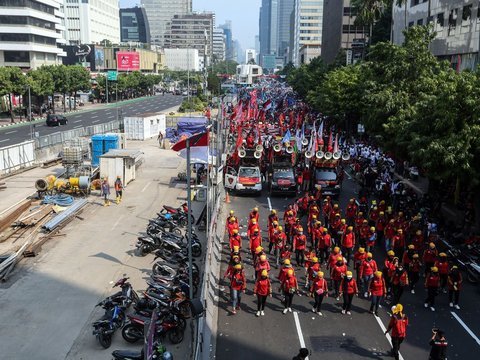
94,117
11,132
110,117
467,329
95,121
387,335
146,186
299,331
269,204
77,121
78,126
4,140
117,222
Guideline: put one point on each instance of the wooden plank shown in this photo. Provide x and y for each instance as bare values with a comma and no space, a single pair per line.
7,220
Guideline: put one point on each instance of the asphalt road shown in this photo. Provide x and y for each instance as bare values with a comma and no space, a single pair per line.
333,335
11,135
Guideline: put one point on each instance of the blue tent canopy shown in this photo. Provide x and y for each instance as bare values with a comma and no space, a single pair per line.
192,125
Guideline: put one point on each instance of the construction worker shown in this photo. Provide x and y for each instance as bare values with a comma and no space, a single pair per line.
282,274
312,271
280,242
429,257
338,271
432,284
235,240
326,209
272,217
388,267
289,223
118,190
377,290
299,245
252,226
289,286
238,284
230,215
364,232
371,239
234,260
254,214
443,270
348,289
324,244
262,289
318,290
398,243
232,225
105,192
367,268
262,264
399,281
316,234
414,272
398,325
454,286
351,212
255,242
348,243
358,258
272,233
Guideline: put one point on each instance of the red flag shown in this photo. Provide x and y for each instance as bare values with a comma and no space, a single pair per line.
200,139
330,143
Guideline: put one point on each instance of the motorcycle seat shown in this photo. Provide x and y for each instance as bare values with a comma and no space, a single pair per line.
128,354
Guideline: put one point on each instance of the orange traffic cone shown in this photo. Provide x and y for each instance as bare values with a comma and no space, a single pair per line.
227,198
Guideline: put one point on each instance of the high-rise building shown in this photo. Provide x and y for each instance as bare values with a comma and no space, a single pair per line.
250,54
191,31
218,45
31,33
455,22
90,22
182,59
307,28
134,25
160,12
340,32
285,9
268,27
227,31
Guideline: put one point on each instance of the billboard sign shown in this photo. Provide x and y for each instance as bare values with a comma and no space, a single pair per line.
128,61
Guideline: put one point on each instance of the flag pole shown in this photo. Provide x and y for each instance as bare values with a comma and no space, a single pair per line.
189,222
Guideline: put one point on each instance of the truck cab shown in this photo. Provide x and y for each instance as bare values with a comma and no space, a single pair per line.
329,176
246,179
281,176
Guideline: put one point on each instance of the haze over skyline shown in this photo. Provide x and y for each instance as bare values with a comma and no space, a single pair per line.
243,14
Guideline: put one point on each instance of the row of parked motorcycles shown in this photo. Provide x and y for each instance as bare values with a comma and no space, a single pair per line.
166,299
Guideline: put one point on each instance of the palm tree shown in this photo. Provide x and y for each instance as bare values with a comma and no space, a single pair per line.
368,12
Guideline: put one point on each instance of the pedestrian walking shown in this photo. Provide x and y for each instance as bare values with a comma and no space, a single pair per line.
118,190
398,325
399,281
348,288
299,245
262,289
338,271
105,191
161,139
318,290
414,272
439,345
429,257
348,243
432,284
454,286
443,269
262,264
289,287
238,285
367,268
377,289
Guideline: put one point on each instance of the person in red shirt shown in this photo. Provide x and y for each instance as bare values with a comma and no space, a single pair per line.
318,193
373,216
359,222
234,260
399,281
398,243
380,226
398,324
262,264
388,267
326,209
418,242
432,284
235,240
238,284
348,243
282,274
323,245
443,270
377,290
338,271
454,286
250,141
280,242
262,289
408,255
252,226
289,224
318,290
351,212
307,175
358,258
429,257
232,225
371,239
289,286
332,258
272,234
348,288
255,241
389,234
316,233
414,267
272,217
311,225
299,245
230,215
254,214
367,269
312,271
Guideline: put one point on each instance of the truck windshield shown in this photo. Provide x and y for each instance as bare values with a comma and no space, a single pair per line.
248,172
326,175
283,174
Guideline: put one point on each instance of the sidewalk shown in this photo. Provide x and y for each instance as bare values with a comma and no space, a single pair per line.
50,300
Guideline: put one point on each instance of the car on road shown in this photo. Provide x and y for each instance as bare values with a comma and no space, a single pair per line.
56,120
247,179
185,93
282,180
329,179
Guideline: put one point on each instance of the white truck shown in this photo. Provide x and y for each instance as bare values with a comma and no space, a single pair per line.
246,179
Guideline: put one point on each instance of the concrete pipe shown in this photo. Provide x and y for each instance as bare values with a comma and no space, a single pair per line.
41,185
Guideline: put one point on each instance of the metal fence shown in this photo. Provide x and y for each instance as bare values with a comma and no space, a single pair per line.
15,157
62,136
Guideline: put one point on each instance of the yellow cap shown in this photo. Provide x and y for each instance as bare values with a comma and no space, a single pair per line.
378,273
390,252
369,254
300,228
235,231
339,258
286,262
434,269
274,211
320,274
232,218
350,228
258,249
365,221
349,273
314,216
415,256
290,272
280,228
238,267
232,212
411,247
419,232
275,222
263,257
236,248
361,250
255,209
442,254
254,221
336,249
315,259
381,213
343,221
372,228
318,223
400,231
397,308
264,273
432,245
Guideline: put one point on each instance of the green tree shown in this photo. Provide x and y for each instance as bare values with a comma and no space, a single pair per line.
213,83
78,80
41,84
368,13
12,82
60,78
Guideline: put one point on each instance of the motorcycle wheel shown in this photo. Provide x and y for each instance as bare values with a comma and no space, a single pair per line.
181,323
196,251
175,335
184,309
105,340
183,222
471,277
131,333
177,231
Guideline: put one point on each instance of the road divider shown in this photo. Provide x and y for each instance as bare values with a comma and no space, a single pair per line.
467,329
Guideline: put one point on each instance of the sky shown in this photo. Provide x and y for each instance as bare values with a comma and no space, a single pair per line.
243,14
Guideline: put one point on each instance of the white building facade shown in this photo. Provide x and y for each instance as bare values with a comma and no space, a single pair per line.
92,21
250,54
456,23
31,33
182,59
219,46
307,27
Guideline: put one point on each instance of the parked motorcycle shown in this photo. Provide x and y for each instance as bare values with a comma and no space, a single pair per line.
167,325
126,293
113,319
159,353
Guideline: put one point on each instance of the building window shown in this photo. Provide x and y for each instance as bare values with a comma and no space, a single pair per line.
467,13
29,4
16,56
440,20
452,21
410,24
420,22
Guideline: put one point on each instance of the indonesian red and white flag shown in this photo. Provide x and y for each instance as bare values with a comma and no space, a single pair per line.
198,147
